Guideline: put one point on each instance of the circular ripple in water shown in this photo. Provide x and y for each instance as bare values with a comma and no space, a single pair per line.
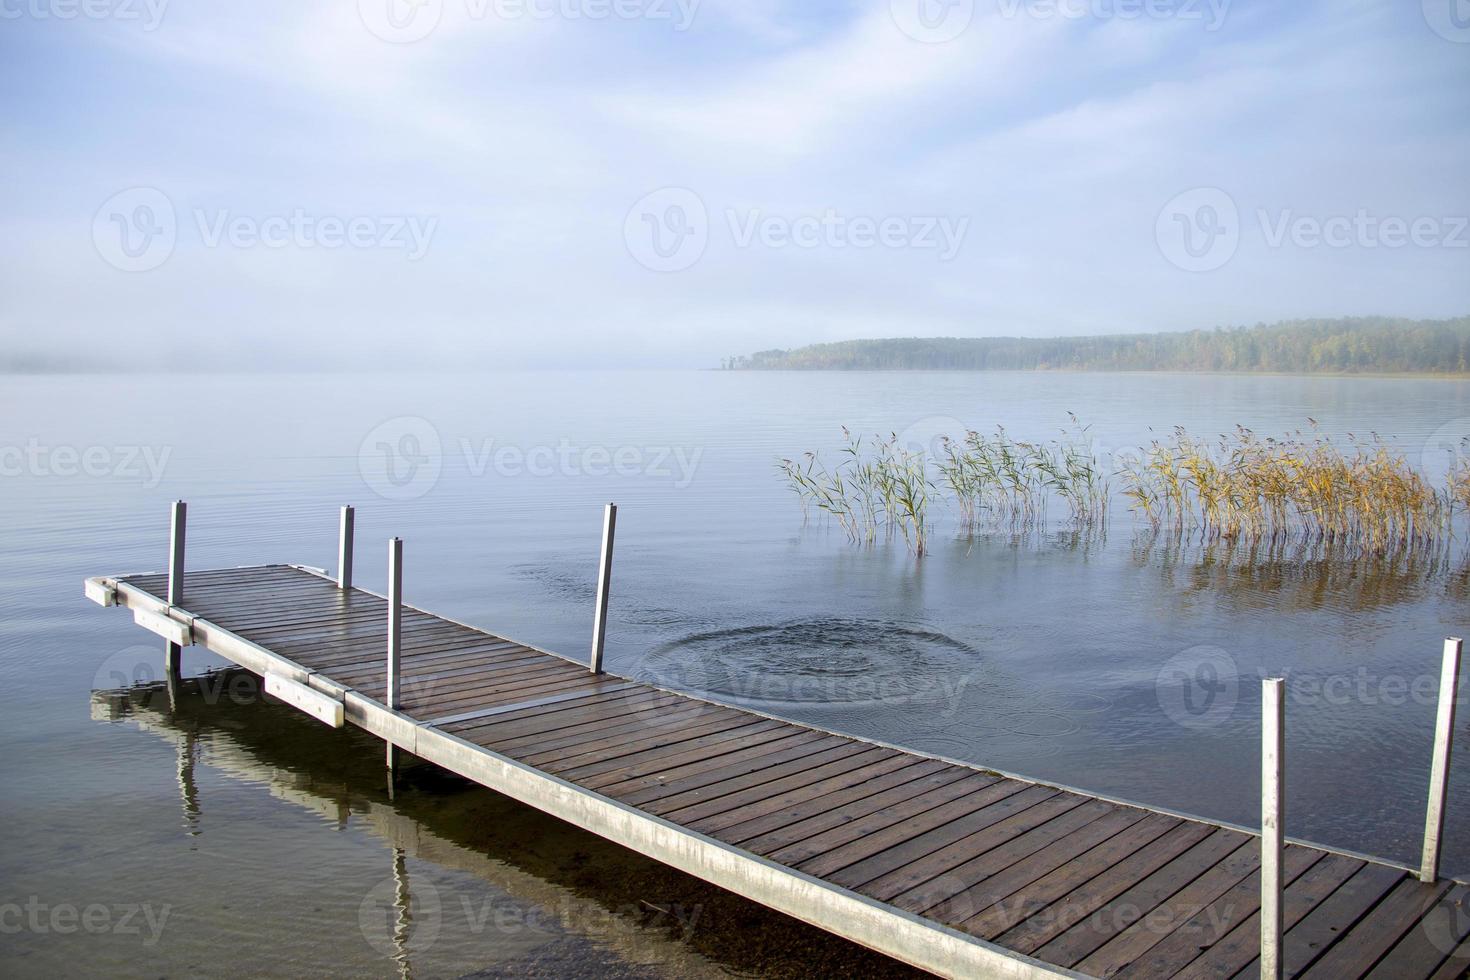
818,662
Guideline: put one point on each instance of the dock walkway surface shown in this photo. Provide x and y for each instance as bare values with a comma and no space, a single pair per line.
954,869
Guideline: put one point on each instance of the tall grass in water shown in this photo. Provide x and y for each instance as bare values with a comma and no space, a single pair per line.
1240,487
1006,480
883,486
1360,494
874,487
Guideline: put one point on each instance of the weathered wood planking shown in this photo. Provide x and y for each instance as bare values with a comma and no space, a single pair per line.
956,870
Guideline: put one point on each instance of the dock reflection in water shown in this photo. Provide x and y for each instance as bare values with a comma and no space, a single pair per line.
469,882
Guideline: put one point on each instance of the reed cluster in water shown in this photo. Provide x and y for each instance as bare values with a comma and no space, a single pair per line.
1243,486
1240,487
882,486
1004,479
874,486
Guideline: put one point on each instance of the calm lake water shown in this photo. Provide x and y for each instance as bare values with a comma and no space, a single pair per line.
225,836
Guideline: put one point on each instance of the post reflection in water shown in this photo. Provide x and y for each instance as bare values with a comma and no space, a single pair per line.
478,884
402,917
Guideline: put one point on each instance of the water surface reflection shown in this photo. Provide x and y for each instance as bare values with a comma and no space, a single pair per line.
465,881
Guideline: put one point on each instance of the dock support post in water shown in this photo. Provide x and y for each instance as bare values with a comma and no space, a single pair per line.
393,697
173,653
1273,812
604,583
1439,770
344,550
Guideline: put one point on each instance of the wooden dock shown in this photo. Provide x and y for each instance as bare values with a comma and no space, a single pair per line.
956,870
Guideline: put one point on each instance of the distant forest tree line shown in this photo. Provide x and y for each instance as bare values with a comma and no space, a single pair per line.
1359,345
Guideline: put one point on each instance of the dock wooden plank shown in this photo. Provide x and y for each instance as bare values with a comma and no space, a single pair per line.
992,877
997,904
995,911
1241,945
1075,881
826,793
1045,924
1370,939
820,764
851,841
1316,931
844,822
427,660
716,781
672,753
1456,966
540,721
612,749
979,854
1193,934
753,797
714,763
577,735
430,697
898,845
1226,856
1432,941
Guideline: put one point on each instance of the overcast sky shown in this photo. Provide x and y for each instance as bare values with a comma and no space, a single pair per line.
664,182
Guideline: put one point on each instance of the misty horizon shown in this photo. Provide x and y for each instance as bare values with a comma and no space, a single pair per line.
666,184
